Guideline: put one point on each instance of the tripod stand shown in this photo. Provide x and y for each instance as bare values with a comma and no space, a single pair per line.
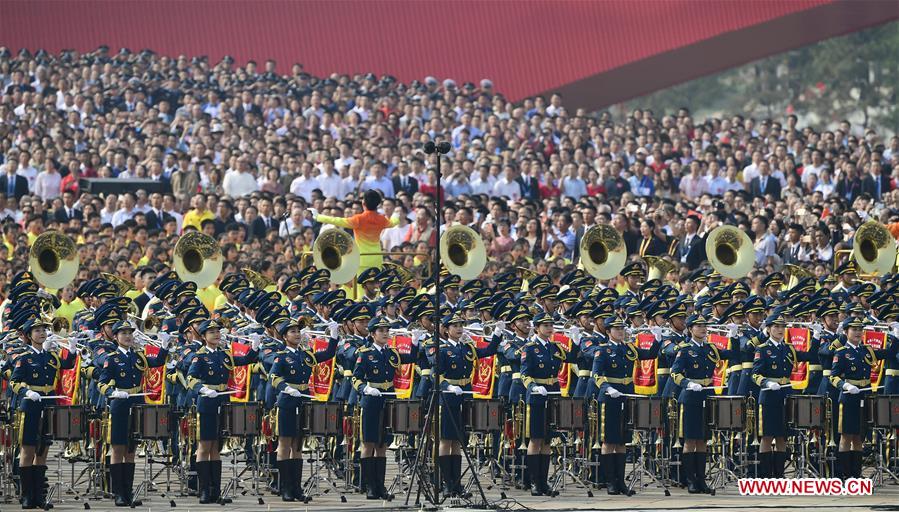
321,471
564,471
642,469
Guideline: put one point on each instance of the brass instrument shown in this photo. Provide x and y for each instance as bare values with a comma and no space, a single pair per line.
335,251
828,423
750,420
259,281
401,271
145,339
658,267
593,426
603,252
121,284
633,331
796,273
518,420
874,249
197,257
673,423
462,251
53,259
730,251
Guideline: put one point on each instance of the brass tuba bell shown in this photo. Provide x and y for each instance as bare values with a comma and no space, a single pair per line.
53,259
121,284
197,258
462,251
796,274
730,252
603,252
658,267
874,248
335,251
259,281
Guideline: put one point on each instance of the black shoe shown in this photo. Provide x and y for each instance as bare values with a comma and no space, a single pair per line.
620,467
765,463
285,480
699,463
380,475
857,459
26,479
41,486
203,481
457,477
533,468
298,481
544,476
116,474
608,465
368,476
128,485
216,479
445,464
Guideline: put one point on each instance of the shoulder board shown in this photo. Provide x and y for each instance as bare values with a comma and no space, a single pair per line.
682,345
840,349
363,349
530,343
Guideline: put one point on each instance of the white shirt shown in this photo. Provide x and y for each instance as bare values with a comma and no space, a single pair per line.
46,185
303,187
749,172
122,215
347,186
331,186
238,184
509,189
392,237
483,187
29,173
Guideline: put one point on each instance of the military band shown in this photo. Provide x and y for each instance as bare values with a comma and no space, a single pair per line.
608,333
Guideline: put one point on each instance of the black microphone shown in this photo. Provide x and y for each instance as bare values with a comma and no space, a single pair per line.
430,147
443,148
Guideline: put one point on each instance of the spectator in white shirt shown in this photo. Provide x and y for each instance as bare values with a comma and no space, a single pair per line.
47,183
294,224
483,183
240,182
751,171
304,184
395,236
507,186
126,212
109,209
328,181
378,181
26,170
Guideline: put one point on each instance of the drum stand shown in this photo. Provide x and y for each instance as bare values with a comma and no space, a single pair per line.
642,465
234,481
404,466
804,466
484,461
721,473
320,470
557,481
881,469
59,487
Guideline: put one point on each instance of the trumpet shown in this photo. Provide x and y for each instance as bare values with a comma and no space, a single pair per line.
633,331
724,330
55,340
145,339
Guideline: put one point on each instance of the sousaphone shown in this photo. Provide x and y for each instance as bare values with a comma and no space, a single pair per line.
730,252
603,252
658,267
197,258
462,251
335,251
53,259
874,248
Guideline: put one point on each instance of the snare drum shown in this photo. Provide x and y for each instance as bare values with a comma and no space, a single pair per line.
566,413
151,421
483,415
241,419
323,418
805,411
644,412
883,411
727,412
65,422
403,416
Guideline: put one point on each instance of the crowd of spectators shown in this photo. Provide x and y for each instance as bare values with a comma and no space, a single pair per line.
242,151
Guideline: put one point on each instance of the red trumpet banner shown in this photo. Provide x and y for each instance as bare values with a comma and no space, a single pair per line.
68,381
565,369
801,339
322,377
404,378
153,381
646,380
719,377
876,340
482,373
239,381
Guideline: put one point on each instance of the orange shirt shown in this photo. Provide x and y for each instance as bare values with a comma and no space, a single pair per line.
367,227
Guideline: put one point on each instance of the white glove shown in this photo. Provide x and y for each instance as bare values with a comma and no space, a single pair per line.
332,328
86,361
732,330
575,334
417,335
456,390
656,332
850,388
313,212
255,343
292,392
612,392
894,329
49,346
370,391
694,386
118,394
73,346
163,338
499,327
209,393
171,364
539,390
32,395
773,386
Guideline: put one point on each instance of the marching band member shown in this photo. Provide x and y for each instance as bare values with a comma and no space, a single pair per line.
289,375
519,319
613,369
373,373
851,375
588,345
208,376
541,359
120,378
633,275
754,309
34,376
692,371
455,362
771,369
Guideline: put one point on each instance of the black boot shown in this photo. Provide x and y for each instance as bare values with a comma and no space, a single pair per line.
445,464
298,480
40,486
285,480
26,485
842,465
601,480
688,466
608,465
699,460
764,467
193,480
380,475
457,477
128,485
115,484
216,481
621,466
534,465
856,464
368,476
203,481
779,463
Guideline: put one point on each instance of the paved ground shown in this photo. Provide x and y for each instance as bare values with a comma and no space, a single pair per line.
571,498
